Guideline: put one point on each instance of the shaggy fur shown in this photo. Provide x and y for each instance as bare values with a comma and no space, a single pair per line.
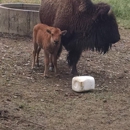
89,26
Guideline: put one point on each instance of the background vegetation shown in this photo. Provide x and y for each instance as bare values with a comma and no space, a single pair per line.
121,9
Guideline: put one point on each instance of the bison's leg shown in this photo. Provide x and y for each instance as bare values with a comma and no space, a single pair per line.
34,54
46,62
74,70
73,57
37,58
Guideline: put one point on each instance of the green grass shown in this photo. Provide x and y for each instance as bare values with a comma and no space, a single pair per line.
121,9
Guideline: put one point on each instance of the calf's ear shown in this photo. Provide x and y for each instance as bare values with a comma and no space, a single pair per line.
63,32
49,31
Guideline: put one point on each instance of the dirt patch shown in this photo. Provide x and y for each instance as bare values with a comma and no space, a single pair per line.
30,102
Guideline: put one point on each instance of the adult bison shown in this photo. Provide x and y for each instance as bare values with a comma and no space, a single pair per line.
89,26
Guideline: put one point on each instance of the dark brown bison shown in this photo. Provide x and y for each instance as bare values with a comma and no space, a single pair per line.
89,26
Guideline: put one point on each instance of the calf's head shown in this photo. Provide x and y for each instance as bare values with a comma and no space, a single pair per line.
56,34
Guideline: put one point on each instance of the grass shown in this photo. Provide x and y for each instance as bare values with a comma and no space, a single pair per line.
121,8
20,1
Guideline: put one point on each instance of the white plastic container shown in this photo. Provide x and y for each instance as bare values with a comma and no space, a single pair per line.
83,83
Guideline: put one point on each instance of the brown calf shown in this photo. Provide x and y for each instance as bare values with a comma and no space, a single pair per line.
49,39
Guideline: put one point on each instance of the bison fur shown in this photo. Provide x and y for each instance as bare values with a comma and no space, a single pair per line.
89,26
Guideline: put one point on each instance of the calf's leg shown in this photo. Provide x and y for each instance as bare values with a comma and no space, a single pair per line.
54,61
37,57
34,54
46,62
51,66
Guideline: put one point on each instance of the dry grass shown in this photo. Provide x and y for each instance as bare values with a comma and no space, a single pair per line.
29,102
21,1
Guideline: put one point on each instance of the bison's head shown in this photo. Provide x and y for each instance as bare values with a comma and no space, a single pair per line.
104,29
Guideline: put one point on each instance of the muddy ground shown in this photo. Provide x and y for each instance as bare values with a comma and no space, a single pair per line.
30,102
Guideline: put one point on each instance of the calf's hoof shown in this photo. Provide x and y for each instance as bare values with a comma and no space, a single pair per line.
46,76
57,75
32,67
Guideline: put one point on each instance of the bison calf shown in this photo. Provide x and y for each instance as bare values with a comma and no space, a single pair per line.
49,39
